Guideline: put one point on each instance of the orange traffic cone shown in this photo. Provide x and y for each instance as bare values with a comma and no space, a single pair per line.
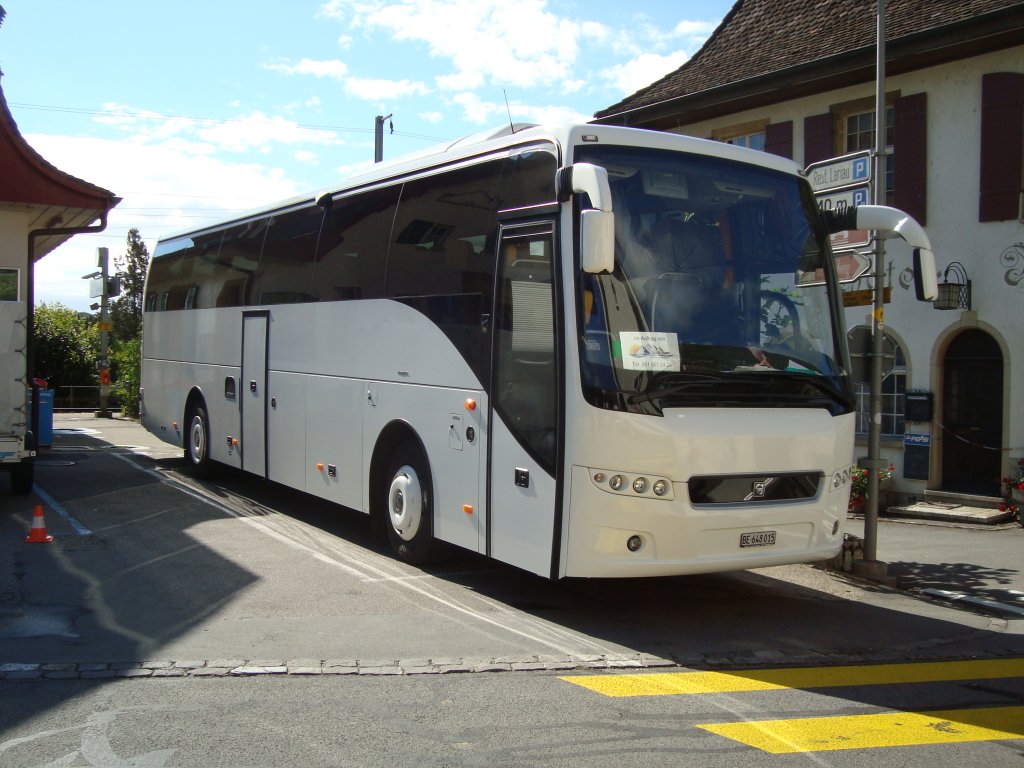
38,534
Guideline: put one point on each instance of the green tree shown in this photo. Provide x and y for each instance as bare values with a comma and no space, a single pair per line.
126,316
127,365
67,346
126,309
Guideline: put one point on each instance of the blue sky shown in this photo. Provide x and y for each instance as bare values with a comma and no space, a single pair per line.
194,111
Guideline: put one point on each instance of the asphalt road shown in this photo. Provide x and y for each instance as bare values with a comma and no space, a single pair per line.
268,628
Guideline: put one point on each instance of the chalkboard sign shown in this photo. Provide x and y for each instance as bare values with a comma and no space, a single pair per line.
916,451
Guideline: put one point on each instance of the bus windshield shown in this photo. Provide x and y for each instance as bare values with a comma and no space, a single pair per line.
720,292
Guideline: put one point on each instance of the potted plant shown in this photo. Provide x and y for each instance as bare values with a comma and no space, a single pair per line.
859,485
1014,491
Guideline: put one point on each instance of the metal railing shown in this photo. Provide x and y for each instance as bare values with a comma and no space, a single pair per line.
79,397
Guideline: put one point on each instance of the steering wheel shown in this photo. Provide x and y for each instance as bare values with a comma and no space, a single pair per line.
779,311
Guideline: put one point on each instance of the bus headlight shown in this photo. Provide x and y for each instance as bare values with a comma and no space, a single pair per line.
628,484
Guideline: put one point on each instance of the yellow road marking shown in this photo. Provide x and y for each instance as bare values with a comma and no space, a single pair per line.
677,683
896,729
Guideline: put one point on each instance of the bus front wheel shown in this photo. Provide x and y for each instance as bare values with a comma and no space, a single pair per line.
409,505
197,442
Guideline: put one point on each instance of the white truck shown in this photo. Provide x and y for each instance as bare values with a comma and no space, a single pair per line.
17,443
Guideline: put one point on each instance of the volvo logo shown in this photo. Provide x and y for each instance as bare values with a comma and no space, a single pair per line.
759,489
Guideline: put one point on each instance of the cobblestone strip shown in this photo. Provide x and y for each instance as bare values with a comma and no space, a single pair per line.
179,668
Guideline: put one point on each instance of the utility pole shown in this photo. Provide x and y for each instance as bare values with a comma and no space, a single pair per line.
378,136
874,462
104,326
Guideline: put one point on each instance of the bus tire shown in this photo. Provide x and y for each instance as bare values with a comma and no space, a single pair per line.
408,505
22,478
197,442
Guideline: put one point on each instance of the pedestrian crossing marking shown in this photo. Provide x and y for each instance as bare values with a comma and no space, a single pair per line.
804,678
892,729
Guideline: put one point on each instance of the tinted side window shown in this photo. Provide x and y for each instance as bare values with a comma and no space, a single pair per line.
530,179
176,274
285,273
439,241
230,284
352,254
442,255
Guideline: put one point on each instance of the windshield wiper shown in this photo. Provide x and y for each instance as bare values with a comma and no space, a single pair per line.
821,383
670,383
724,385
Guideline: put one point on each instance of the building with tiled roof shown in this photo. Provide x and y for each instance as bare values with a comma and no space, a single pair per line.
797,78
41,207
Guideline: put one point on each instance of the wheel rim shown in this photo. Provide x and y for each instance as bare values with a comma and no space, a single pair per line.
405,503
197,441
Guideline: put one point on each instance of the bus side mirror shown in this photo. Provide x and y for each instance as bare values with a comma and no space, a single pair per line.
597,241
895,223
926,281
597,223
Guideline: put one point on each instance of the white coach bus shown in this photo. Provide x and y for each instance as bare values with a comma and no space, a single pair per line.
581,350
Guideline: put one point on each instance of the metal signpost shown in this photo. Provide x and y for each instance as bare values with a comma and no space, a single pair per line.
837,183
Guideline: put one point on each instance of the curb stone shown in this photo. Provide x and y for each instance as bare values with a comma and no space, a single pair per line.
611,663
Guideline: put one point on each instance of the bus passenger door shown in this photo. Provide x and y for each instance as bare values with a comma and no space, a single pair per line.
524,423
253,395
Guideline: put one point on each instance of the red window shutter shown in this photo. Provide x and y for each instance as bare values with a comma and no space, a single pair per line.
1002,146
910,155
778,139
818,142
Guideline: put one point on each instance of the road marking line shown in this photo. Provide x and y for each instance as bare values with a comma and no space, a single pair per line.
894,729
682,683
80,529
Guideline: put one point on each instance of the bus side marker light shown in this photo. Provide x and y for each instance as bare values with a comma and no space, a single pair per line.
467,508
234,441
470,404
174,426
319,466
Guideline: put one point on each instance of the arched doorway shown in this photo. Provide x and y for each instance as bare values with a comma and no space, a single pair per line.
972,414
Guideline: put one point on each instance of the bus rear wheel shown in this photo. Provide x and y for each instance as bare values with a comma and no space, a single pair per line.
197,442
409,508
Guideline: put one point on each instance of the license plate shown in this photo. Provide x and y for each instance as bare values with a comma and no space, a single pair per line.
757,539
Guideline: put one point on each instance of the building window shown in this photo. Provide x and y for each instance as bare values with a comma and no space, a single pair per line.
8,285
894,382
750,140
750,135
859,134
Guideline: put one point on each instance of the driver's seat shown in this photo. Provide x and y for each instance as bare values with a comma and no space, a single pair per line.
682,303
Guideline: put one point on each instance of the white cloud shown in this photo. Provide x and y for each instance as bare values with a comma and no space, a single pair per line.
163,189
495,41
332,68
481,112
261,131
695,30
474,108
371,89
642,71
431,117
